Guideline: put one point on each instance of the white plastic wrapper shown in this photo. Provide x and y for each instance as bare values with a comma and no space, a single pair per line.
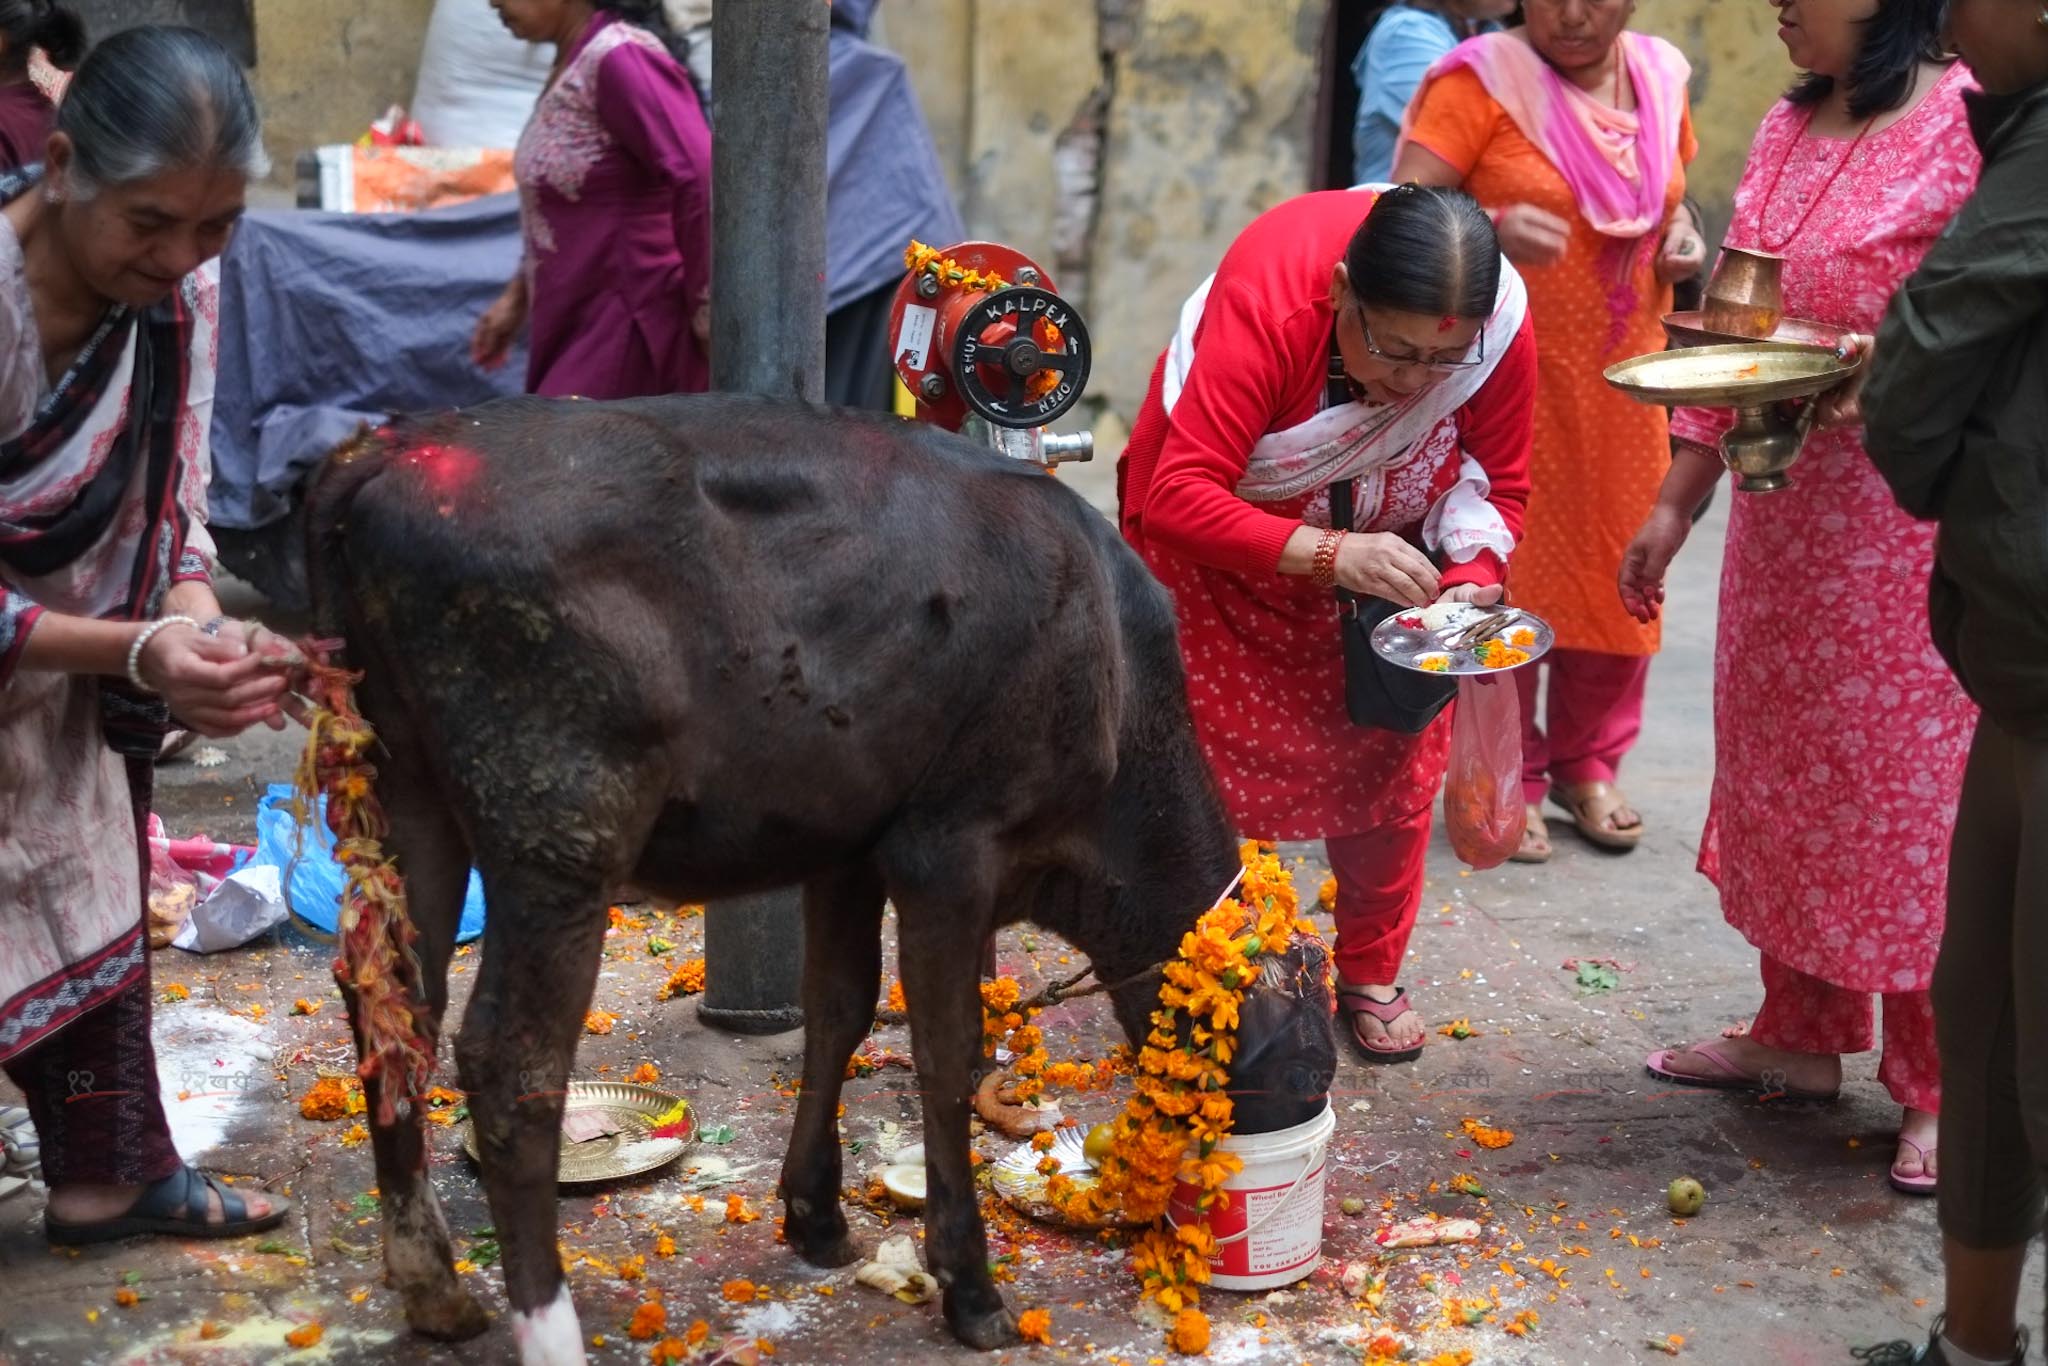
246,904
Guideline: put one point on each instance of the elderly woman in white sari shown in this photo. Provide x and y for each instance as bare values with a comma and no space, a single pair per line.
108,622
1350,395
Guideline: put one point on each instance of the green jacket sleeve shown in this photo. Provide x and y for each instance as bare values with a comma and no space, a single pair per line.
1973,294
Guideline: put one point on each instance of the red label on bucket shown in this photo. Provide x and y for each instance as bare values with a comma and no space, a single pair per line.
1282,1241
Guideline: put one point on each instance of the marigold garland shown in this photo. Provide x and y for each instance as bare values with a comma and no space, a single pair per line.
1180,1110
920,259
377,961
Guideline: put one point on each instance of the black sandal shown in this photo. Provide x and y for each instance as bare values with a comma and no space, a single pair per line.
176,1205
1356,1003
1903,1353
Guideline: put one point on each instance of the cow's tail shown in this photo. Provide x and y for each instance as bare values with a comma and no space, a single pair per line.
376,964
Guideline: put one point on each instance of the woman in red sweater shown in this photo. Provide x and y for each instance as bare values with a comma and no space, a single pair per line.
1374,338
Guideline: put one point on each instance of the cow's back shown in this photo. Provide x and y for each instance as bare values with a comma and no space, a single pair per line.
736,623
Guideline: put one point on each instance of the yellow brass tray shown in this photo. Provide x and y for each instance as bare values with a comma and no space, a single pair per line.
1690,329
631,1112
1744,375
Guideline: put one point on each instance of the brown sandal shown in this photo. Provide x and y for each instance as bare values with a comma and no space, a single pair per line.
1355,1003
1595,809
1535,846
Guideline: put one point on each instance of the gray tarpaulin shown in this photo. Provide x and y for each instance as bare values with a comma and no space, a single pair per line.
332,319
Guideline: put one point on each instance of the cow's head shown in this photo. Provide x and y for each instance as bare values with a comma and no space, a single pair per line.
1286,1053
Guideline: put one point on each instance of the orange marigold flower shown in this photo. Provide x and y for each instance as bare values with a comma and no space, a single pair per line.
177,991
668,1352
646,1074
1485,1137
648,1322
353,1135
738,1211
328,1099
664,1246
1035,1325
896,1001
633,1268
302,1006
126,1298
699,1330
739,1292
305,1335
599,1021
686,980
1190,1333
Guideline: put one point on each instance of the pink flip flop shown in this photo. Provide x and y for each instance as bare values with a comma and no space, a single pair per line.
1727,1076
1355,1003
1922,1184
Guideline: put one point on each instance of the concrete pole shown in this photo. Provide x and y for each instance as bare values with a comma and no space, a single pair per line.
769,85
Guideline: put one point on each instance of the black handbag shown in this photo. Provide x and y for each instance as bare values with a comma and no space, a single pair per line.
1376,693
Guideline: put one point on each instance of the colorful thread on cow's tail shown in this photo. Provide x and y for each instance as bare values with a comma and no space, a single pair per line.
376,933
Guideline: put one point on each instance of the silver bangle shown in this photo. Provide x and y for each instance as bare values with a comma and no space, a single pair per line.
143,638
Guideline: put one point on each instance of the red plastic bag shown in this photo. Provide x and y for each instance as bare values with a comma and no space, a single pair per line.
1483,807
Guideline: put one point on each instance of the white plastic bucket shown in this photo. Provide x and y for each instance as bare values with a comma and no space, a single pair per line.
1270,1232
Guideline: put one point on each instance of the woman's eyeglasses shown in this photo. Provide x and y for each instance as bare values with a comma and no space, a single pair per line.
1442,366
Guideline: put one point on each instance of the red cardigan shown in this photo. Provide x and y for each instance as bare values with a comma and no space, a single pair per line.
1263,350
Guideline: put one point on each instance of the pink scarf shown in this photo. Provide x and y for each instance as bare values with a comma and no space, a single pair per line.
1618,165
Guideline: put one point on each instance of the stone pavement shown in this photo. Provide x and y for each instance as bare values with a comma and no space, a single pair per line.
1802,1249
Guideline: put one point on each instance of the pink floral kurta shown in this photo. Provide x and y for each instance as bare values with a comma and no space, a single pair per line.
1839,733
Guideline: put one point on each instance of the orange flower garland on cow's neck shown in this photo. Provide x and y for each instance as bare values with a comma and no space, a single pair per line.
1171,1128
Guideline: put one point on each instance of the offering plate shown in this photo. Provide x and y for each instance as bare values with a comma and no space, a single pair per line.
1758,380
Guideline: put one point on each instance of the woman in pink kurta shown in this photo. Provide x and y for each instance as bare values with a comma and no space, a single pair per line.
1839,733
614,173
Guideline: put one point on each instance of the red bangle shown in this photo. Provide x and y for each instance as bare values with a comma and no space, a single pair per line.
1322,566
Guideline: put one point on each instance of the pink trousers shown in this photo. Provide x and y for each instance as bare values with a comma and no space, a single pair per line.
1591,718
1379,891
1807,1015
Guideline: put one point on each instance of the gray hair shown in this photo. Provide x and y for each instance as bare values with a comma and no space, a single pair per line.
154,99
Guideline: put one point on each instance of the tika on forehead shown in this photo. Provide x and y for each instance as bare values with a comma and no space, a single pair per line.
1446,324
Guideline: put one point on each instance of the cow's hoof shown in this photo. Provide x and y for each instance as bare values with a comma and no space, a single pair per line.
986,1329
448,1316
824,1247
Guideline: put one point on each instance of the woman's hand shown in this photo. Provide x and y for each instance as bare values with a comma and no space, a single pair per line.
1842,406
1647,557
1530,236
1682,253
1479,595
1382,565
216,685
499,327
700,326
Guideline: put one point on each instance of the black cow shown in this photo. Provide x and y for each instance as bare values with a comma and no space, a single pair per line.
708,646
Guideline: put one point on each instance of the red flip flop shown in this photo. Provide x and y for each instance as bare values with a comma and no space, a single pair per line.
1354,1003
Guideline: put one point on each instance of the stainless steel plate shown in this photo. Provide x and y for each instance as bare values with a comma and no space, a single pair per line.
630,1149
1402,640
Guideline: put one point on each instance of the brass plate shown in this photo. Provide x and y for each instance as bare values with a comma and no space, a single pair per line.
627,1152
1741,376
1690,329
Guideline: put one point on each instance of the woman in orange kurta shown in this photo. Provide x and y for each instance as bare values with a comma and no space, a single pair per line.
1574,133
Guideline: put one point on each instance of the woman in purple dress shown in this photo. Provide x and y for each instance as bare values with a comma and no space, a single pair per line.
614,173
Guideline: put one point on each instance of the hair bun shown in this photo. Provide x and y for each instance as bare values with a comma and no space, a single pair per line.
60,33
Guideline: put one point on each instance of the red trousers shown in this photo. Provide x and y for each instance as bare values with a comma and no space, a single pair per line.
1591,717
1379,891
1807,1015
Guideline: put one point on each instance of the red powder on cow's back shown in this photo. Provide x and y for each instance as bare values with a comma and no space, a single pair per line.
445,471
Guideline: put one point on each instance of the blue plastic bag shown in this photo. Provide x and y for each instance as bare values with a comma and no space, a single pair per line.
314,885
